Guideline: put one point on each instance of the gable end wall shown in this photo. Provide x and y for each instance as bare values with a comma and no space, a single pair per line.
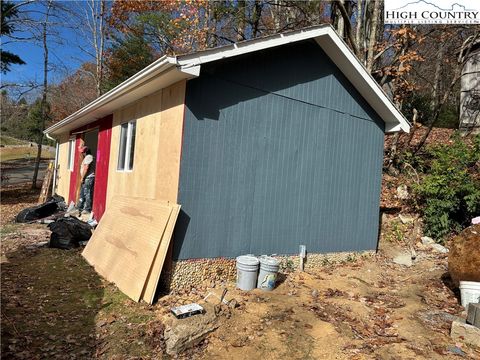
278,150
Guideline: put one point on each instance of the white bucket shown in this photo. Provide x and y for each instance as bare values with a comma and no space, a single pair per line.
469,292
267,276
247,272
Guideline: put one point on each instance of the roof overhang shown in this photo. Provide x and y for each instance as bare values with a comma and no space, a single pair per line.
168,70
158,75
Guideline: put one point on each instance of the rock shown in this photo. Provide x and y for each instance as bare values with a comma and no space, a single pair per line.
465,333
404,259
476,220
464,256
406,219
402,192
185,333
439,248
427,240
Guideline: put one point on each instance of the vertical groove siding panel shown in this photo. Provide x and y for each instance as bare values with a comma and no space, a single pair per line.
279,150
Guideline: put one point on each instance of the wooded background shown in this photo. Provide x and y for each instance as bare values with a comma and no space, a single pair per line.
419,66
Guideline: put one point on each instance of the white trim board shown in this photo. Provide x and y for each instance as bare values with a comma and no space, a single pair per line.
168,70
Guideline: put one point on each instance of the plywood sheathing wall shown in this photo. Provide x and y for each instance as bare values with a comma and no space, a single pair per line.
63,174
158,141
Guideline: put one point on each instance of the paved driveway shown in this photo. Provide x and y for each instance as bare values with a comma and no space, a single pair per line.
21,171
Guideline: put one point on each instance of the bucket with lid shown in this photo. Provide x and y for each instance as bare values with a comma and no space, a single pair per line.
247,271
267,276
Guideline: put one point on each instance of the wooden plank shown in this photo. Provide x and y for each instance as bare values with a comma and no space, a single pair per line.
47,182
63,174
169,144
157,266
123,246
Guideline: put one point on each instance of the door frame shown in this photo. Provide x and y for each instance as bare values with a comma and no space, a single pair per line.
102,159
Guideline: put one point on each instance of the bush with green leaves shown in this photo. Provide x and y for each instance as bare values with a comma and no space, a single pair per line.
449,193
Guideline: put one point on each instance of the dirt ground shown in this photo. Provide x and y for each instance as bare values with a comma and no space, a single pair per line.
54,306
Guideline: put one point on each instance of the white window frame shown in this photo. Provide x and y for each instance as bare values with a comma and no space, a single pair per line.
128,148
71,154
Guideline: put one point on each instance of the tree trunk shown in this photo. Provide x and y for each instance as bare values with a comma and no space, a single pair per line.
347,26
414,126
41,126
436,77
372,39
341,22
101,48
241,20
257,14
358,28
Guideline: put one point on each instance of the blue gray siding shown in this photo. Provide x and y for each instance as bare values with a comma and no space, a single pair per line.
279,150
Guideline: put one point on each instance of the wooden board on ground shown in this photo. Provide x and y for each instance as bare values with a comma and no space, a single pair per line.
123,247
157,266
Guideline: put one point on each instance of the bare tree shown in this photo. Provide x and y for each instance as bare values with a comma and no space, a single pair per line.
44,23
439,101
93,17
372,38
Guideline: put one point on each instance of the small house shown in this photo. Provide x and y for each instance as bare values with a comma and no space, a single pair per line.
266,144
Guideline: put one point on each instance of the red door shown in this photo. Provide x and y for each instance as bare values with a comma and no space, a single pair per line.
102,158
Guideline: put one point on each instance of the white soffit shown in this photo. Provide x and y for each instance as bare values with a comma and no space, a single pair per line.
167,70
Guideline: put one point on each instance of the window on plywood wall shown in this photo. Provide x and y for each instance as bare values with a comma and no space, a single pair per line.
71,153
126,149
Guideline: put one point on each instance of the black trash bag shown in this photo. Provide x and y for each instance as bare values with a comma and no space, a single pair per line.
50,207
60,200
68,232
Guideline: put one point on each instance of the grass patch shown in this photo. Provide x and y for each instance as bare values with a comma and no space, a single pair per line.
23,153
8,140
8,229
54,303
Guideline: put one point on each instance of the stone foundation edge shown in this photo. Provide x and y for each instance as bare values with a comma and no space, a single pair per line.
185,274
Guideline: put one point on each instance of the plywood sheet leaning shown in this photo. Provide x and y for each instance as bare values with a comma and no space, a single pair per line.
157,266
123,246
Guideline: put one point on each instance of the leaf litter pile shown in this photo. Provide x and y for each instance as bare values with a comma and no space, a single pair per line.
55,306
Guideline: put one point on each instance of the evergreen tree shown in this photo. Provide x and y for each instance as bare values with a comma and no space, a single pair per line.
126,57
9,11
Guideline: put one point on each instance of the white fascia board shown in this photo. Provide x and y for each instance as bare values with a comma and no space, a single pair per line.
362,80
337,51
249,46
160,74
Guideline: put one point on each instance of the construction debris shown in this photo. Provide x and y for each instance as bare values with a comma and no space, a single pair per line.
186,333
473,317
466,333
188,310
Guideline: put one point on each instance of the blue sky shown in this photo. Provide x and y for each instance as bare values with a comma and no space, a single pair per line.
64,52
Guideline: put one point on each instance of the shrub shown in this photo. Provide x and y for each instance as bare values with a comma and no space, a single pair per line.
449,193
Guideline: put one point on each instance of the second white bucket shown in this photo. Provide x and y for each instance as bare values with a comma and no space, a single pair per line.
469,292
268,273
